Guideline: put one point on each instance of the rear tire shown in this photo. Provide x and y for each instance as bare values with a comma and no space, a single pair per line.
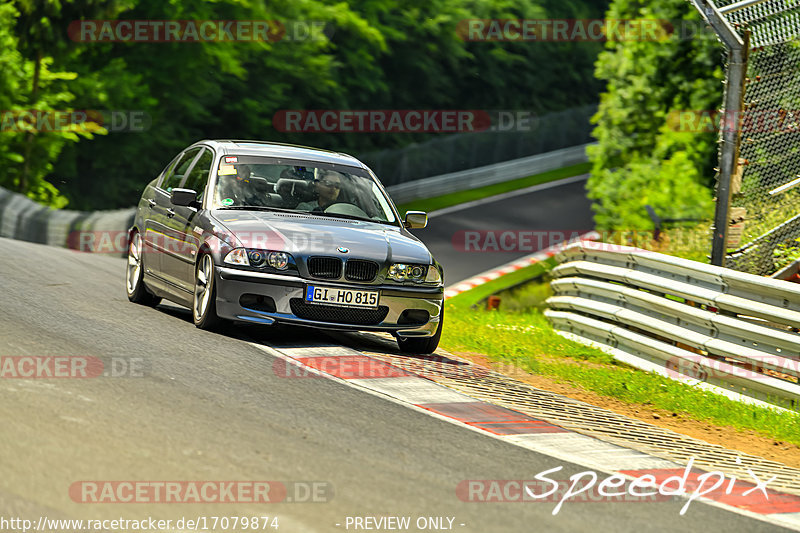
422,345
134,282
204,304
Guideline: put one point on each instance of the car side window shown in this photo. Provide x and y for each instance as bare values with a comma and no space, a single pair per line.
162,178
198,176
175,175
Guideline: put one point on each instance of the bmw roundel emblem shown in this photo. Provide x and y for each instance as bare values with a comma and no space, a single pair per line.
342,249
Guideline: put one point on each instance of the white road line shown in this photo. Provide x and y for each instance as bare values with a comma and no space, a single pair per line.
413,390
510,194
319,351
789,519
589,451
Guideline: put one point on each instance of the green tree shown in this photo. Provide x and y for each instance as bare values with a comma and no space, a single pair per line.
29,93
192,91
375,54
641,158
35,34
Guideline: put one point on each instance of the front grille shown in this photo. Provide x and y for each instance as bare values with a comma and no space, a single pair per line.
338,315
325,267
360,270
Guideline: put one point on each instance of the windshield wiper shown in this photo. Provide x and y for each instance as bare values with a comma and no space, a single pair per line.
295,211
258,208
349,217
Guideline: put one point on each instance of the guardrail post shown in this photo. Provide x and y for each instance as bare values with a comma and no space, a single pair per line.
731,132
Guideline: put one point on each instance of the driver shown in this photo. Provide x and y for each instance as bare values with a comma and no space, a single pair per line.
326,188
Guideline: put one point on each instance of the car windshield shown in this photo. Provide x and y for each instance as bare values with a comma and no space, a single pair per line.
327,190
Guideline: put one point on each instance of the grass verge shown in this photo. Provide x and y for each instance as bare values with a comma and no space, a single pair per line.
526,340
440,202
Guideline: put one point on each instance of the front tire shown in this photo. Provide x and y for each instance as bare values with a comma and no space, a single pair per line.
134,282
422,345
204,307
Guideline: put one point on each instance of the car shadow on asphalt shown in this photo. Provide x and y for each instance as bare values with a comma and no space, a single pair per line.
288,336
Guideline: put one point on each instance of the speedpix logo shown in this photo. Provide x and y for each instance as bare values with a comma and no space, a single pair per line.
587,487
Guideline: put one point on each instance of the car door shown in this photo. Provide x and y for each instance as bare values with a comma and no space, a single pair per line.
183,224
164,240
153,218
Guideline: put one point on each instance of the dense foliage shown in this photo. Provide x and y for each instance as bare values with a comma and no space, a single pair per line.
374,54
643,157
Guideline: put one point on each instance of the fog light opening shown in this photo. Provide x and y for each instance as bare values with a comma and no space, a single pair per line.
414,316
258,302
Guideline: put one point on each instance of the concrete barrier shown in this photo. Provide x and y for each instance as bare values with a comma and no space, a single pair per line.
23,219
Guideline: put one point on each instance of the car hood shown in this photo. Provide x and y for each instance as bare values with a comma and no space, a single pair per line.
307,235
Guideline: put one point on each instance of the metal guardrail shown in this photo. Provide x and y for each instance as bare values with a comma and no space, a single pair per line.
488,175
693,322
504,140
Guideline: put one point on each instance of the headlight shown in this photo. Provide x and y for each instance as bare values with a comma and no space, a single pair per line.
259,259
403,272
237,256
278,260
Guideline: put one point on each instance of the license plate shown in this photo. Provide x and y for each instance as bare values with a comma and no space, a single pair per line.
342,297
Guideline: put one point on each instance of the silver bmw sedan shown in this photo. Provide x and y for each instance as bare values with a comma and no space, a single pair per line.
265,233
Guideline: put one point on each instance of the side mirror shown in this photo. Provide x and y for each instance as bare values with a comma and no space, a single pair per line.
416,219
183,197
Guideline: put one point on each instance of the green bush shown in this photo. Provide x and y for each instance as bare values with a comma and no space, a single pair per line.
642,157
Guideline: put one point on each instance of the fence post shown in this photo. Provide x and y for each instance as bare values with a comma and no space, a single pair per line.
731,131
729,159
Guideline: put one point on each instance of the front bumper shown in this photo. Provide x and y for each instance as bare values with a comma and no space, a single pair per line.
233,284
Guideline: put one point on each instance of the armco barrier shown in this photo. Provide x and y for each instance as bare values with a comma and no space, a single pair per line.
687,320
489,175
23,219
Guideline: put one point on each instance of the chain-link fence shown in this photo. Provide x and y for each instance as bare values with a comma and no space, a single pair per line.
464,151
764,234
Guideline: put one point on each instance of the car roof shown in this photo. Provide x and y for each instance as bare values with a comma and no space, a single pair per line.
280,150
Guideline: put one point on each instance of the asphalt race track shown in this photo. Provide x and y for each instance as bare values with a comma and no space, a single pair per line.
210,406
546,210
